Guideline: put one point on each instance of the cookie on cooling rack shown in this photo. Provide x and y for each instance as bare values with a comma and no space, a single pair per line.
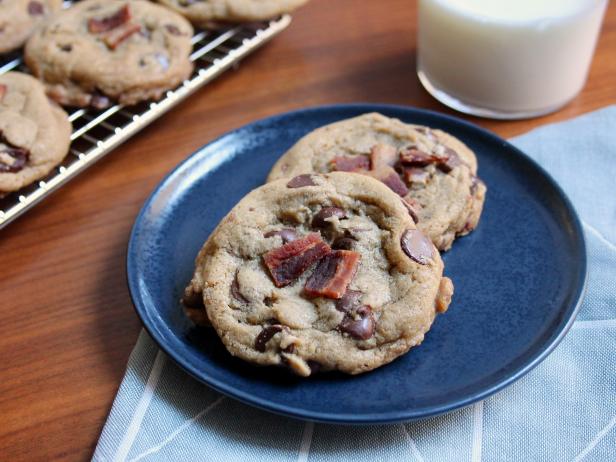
322,272
205,12
18,18
434,172
34,132
102,51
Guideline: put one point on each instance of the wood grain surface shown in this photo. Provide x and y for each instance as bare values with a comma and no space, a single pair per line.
68,326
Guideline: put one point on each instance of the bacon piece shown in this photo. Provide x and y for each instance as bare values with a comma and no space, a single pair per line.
416,158
300,181
391,178
360,324
288,262
350,164
107,23
115,37
35,8
2,91
333,274
415,175
383,155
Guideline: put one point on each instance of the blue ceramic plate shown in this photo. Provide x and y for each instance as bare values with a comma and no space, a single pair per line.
519,278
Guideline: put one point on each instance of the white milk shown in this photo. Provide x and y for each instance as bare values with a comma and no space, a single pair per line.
506,58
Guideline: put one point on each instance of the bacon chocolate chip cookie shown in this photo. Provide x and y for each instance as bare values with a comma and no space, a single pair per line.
434,172
103,51
320,272
34,132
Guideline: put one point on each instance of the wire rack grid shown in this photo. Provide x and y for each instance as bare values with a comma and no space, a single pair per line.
97,132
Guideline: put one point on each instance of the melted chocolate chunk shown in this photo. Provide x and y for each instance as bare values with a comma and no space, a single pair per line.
35,8
360,324
383,155
349,301
320,219
286,234
67,47
288,262
450,161
417,246
117,36
343,243
235,291
266,335
173,29
19,159
300,181
105,24
350,164
333,274
391,178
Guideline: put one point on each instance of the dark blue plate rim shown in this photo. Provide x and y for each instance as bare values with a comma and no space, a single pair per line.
370,418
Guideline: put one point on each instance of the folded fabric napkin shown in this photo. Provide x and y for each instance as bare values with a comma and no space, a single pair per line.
563,410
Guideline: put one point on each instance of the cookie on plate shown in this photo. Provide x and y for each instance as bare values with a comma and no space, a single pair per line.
18,18
103,51
320,272
34,132
434,172
204,12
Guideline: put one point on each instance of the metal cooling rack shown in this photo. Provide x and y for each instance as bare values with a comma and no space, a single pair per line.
97,132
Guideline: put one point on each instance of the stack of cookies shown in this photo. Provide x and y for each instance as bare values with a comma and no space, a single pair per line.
334,264
95,53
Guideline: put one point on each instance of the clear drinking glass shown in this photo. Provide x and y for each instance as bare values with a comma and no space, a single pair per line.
506,59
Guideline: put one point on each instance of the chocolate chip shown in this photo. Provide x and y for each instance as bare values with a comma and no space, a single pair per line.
286,234
235,291
320,219
450,161
417,246
360,324
99,101
67,47
19,158
288,262
35,8
300,181
333,274
343,243
265,336
349,301
173,29
390,178
350,164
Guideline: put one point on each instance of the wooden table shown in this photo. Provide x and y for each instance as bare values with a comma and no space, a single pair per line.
67,324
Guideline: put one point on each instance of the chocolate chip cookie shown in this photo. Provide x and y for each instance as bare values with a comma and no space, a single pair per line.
434,172
18,18
34,132
204,12
97,52
320,272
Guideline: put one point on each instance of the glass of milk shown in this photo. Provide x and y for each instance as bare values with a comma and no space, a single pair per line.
506,59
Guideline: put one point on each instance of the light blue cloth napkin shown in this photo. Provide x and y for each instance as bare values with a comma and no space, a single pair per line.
564,410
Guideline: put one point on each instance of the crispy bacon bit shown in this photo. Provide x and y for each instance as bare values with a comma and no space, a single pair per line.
286,234
383,155
415,158
116,36
350,164
35,8
320,219
360,324
266,335
107,23
414,175
2,91
300,181
391,178
333,274
13,159
288,262
417,246
349,300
